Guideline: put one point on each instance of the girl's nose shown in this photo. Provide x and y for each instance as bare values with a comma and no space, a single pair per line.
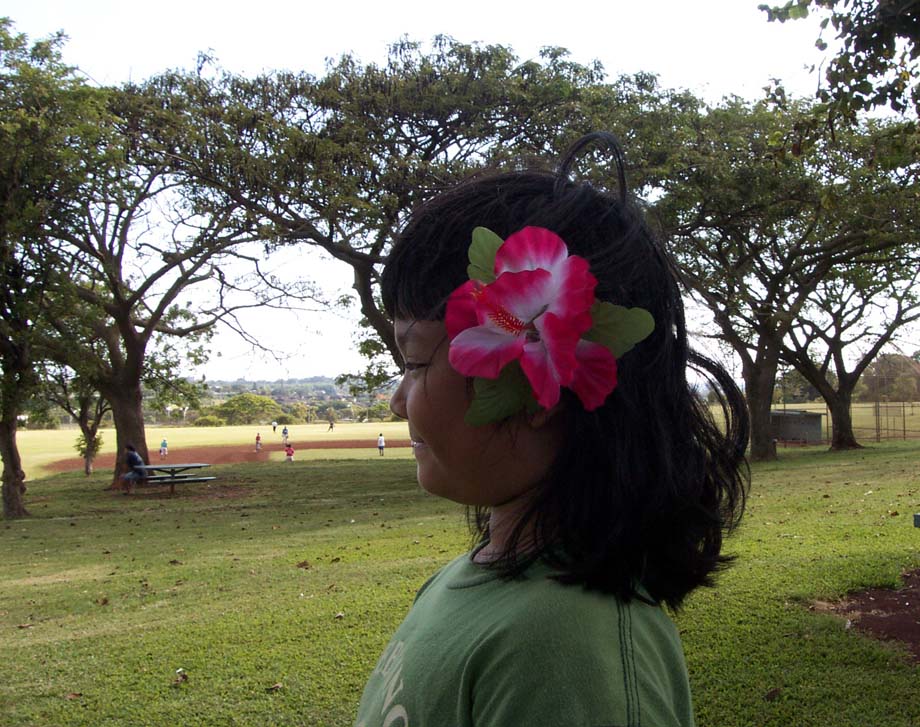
398,400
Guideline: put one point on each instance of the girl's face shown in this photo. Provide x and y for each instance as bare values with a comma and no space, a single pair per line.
489,465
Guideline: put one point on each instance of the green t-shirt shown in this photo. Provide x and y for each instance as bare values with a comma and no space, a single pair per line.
479,651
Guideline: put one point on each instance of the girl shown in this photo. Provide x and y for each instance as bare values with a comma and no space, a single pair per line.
599,485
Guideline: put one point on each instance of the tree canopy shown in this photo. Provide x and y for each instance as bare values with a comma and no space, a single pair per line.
877,62
50,144
249,409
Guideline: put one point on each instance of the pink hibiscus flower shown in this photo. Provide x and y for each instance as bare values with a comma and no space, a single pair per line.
535,312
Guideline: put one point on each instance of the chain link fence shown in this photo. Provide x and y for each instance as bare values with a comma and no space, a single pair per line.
872,421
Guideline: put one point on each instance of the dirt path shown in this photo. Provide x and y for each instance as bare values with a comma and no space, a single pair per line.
883,613
223,454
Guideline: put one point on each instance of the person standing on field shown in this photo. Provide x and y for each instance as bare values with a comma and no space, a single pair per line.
381,443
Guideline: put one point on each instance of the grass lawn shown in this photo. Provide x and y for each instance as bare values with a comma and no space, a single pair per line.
38,448
296,575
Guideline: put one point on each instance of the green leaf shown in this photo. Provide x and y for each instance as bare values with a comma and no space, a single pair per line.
497,399
619,328
482,255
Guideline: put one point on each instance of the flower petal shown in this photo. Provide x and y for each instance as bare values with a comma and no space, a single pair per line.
559,338
572,293
595,375
483,351
525,295
550,362
541,374
530,249
461,309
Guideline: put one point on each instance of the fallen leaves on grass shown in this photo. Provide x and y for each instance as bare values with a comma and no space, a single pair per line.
773,694
305,564
276,687
25,626
74,695
181,677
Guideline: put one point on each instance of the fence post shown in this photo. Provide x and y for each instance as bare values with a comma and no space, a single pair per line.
903,421
878,422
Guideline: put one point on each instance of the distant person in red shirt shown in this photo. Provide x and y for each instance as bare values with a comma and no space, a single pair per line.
288,453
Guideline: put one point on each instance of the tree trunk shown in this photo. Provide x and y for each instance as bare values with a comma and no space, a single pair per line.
759,381
89,432
14,479
843,437
364,277
128,413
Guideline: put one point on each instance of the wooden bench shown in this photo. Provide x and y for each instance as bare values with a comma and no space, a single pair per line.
175,474
174,480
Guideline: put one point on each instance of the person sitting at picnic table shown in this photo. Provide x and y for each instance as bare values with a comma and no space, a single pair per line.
288,453
135,470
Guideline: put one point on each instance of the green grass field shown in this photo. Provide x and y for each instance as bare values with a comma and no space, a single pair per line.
39,448
276,587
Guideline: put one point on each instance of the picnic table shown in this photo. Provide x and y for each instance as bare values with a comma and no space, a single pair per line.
174,473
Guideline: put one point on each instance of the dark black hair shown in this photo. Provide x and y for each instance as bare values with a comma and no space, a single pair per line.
645,486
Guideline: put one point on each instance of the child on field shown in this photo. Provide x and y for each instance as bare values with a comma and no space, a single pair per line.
381,443
288,452
164,448
545,387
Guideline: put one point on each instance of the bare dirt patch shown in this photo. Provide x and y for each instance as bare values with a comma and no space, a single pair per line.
884,613
224,454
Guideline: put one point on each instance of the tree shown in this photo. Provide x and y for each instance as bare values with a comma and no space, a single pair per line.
49,146
137,241
876,64
883,374
248,409
904,388
792,387
337,162
78,397
852,316
754,208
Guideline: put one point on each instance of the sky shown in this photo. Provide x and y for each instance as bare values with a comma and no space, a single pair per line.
712,47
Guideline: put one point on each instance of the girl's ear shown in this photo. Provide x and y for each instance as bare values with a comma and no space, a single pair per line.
541,418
